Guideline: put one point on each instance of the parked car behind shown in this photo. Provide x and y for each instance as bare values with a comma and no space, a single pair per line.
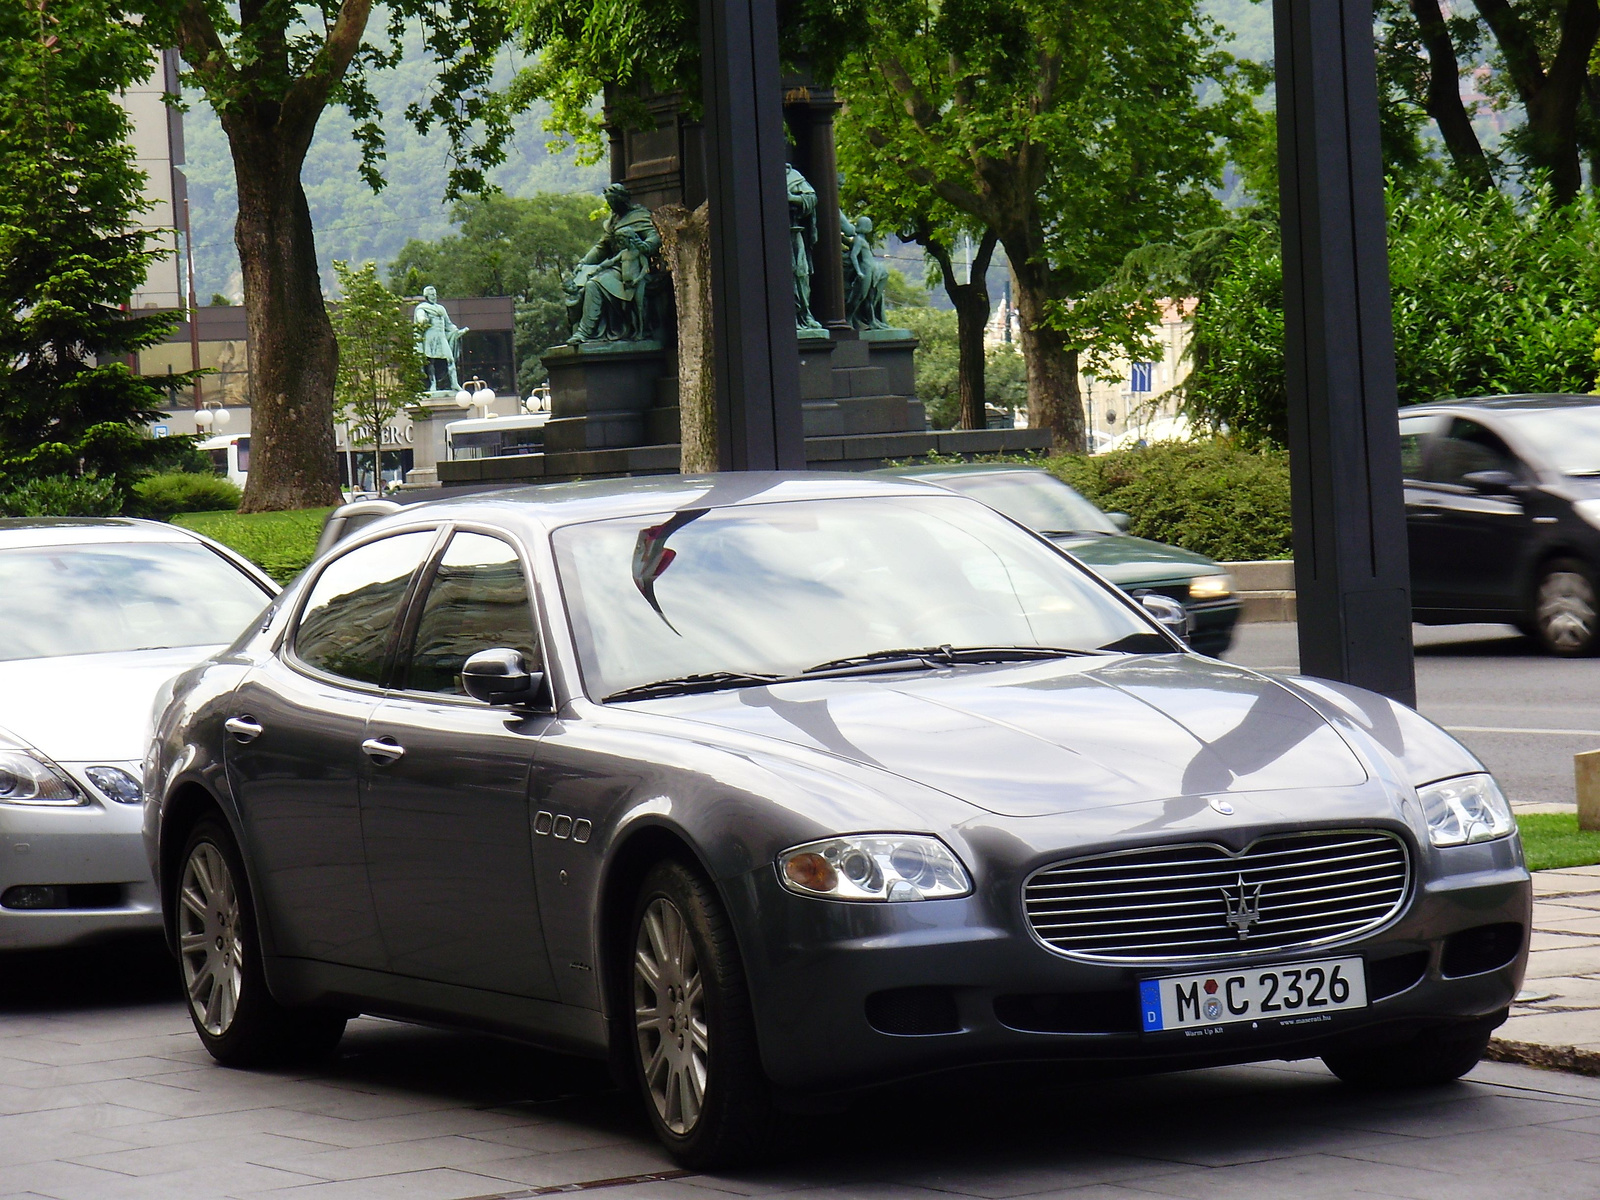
768,788
96,616
1503,514
1139,566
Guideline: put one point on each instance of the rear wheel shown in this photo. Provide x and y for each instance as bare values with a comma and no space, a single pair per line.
219,956
694,1043
1430,1059
1566,616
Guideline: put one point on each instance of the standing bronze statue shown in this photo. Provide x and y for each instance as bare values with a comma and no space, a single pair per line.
866,279
438,341
609,294
802,249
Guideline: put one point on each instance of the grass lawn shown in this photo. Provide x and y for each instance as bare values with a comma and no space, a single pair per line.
1554,840
280,543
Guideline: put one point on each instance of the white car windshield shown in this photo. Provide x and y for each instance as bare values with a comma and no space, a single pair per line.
99,598
776,589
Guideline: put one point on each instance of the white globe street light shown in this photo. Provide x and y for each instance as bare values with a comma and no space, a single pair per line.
464,398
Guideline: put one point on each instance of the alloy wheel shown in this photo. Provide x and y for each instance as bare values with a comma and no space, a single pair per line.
210,941
670,1017
1566,611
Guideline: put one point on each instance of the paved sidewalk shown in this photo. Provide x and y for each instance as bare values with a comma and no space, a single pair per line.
1557,1022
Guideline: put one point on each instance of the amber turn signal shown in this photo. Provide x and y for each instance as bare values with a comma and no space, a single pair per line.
812,872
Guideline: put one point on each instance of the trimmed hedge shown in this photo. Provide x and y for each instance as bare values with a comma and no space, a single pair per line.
161,496
62,496
280,543
1211,497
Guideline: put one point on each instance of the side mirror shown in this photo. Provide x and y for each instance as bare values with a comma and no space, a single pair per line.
1496,480
1167,613
500,676
1121,520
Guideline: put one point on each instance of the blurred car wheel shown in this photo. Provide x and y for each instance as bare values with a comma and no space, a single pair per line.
1566,618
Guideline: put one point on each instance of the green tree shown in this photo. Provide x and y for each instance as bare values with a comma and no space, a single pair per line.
70,189
939,368
508,246
380,371
1072,129
269,70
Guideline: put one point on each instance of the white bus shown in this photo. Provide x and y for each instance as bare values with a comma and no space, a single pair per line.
230,455
491,437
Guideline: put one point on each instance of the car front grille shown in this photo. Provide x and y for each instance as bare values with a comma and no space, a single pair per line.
1199,900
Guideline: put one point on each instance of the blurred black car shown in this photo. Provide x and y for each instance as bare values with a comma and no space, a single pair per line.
1503,513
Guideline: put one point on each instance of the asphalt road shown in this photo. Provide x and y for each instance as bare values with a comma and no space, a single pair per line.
1523,713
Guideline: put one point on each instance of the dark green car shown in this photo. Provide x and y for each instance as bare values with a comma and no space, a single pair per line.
1043,503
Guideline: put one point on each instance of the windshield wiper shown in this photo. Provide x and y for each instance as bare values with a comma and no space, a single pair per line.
682,685
1073,532
944,656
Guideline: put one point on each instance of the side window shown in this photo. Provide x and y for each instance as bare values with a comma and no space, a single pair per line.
477,600
1414,433
1469,447
355,604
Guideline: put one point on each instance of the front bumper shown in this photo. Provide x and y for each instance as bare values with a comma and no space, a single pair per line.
95,850
820,973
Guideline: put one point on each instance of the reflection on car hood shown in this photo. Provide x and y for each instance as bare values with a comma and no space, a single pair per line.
1128,561
1054,737
89,707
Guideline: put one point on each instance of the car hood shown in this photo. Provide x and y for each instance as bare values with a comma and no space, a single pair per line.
1128,561
84,707
1056,737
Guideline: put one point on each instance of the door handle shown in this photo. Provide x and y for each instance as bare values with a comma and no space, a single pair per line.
243,728
382,750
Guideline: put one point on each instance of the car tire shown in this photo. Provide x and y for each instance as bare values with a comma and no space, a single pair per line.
693,1040
1432,1058
1566,614
219,963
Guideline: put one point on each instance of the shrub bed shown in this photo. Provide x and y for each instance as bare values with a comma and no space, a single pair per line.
1211,497
161,496
280,543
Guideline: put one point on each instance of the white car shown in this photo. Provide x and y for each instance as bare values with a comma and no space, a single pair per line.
96,617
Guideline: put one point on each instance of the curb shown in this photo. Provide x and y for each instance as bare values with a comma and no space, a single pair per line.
1553,1058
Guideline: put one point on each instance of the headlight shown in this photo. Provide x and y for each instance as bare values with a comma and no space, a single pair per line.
27,779
116,783
1210,587
1469,809
885,866
1589,510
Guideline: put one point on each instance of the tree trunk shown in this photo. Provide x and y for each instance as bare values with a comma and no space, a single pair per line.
293,354
1054,401
686,242
971,302
1444,96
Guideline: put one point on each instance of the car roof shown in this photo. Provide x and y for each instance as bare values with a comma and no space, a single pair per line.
945,470
551,505
86,531
1525,402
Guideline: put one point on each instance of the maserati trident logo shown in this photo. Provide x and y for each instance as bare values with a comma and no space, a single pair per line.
1244,906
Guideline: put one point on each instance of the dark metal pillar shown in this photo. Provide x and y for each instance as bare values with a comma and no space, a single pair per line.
1352,577
752,279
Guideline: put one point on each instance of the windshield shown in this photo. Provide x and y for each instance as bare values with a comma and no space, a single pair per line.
1568,439
95,599
1034,499
777,588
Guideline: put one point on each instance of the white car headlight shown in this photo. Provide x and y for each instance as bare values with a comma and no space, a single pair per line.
1210,587
28,779
1468,809
881,866
1589,510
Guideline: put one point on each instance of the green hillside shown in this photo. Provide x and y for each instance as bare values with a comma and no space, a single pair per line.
351,221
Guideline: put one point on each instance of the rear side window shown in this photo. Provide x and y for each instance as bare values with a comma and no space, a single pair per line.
1414,433
477,600
354,607
1467,448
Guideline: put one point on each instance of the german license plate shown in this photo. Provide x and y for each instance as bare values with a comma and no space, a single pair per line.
1276,993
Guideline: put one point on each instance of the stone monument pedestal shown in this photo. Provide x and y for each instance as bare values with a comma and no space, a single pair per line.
600,394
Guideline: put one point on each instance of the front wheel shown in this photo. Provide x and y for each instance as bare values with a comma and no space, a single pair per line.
1428,1060
694,1041
219,956
1566,617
